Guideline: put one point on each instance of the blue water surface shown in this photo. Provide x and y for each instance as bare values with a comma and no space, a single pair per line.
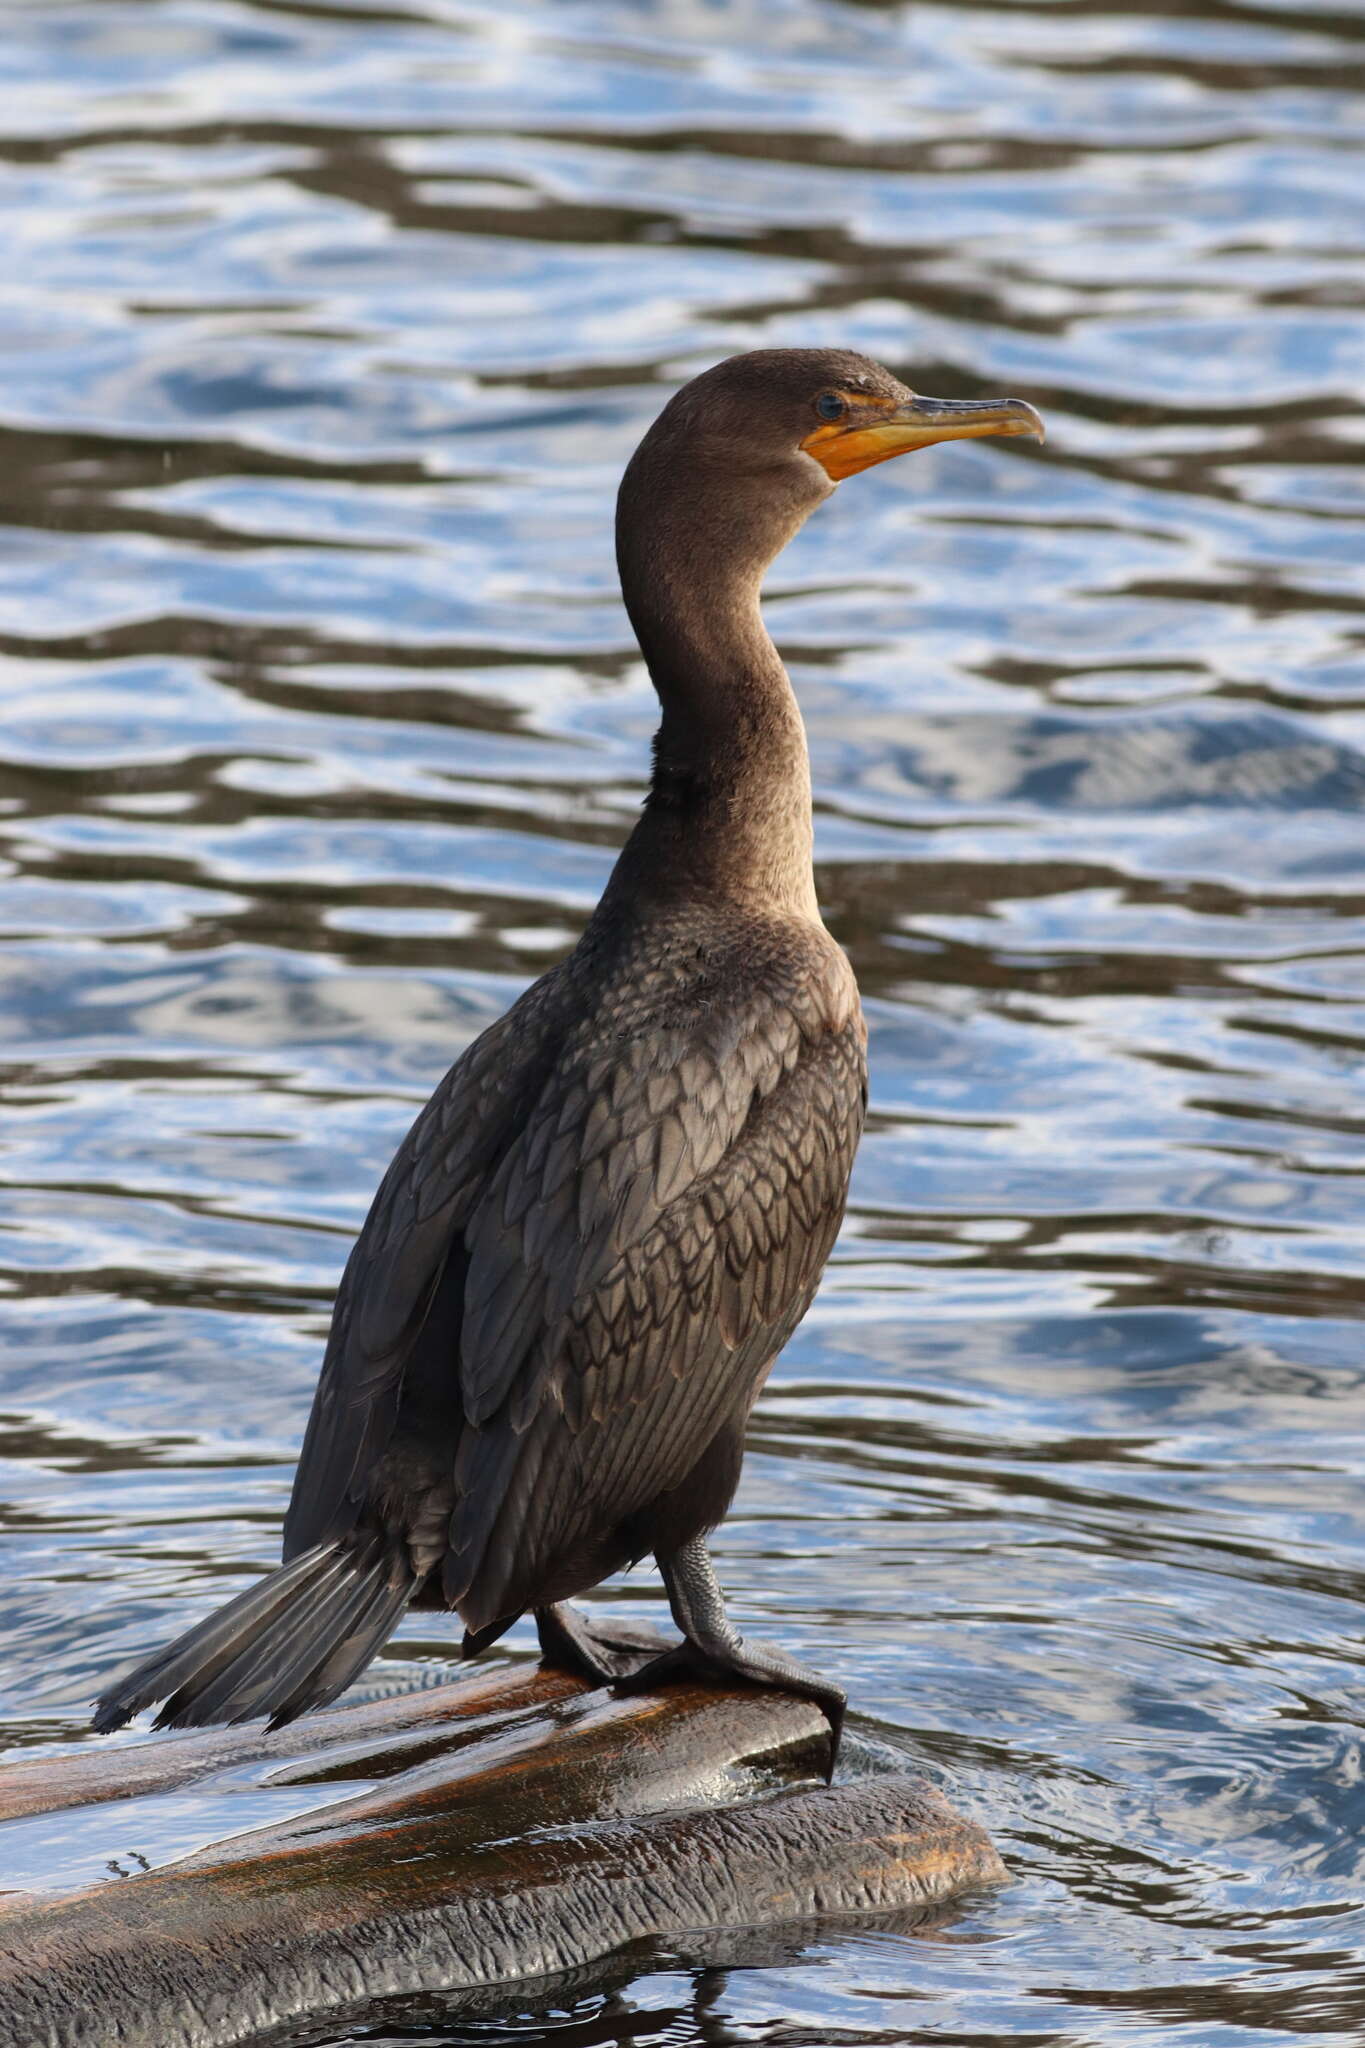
326,334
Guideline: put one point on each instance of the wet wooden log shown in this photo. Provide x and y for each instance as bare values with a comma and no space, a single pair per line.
199,1890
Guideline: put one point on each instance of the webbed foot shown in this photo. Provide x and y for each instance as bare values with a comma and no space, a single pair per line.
712,1648
604,1654
723,1661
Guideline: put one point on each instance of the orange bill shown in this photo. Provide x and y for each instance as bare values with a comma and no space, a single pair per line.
869,435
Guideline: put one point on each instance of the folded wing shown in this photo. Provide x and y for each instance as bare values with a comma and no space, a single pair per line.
578,1269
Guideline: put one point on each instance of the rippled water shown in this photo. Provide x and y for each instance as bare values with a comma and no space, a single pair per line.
328,330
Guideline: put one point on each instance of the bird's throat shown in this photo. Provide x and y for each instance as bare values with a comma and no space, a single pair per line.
729,808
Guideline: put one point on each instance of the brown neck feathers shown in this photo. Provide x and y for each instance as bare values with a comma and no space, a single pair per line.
729,809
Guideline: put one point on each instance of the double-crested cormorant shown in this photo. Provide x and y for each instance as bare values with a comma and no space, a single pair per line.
614,1210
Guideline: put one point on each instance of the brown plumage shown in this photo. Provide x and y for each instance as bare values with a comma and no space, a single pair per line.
615,1208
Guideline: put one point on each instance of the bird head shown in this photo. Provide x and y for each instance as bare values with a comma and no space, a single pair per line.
740,456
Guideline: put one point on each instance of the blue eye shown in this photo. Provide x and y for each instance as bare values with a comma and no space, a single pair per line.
830,406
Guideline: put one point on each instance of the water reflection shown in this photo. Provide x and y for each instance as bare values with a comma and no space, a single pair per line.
330,332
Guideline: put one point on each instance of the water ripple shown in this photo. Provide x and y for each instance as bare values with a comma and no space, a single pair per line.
330,331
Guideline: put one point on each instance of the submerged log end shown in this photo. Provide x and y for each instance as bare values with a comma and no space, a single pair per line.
727,1886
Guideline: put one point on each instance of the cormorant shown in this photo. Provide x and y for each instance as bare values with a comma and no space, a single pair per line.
615,1208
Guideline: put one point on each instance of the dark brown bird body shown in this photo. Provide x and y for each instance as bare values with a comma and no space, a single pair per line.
615,1208
612,1212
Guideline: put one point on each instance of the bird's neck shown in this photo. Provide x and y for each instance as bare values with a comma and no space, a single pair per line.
729,807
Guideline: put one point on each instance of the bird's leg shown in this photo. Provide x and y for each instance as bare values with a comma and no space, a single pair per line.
604,1656
714,1648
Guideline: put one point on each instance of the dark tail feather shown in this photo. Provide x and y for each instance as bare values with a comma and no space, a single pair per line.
368,1623
294,1641
205,1648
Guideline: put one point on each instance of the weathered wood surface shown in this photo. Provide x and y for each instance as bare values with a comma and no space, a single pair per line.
505,1828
